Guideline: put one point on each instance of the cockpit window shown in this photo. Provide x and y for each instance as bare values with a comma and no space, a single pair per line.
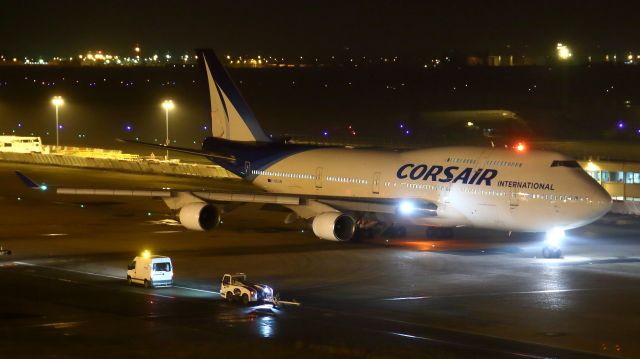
572,164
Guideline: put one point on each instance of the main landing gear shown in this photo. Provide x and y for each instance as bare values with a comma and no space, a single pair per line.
395,232
439,232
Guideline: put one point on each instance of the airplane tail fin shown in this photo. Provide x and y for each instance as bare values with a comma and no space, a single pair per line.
231,117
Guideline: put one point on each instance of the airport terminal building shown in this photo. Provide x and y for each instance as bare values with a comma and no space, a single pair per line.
620,179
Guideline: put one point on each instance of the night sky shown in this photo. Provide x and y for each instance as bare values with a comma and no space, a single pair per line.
414,28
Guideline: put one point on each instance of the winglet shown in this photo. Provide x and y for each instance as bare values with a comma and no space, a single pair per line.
29,182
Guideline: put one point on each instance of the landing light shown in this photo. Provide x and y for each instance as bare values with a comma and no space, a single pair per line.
406,208
146,254
554,237
43,187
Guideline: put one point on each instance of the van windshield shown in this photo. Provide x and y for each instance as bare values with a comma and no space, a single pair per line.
162,267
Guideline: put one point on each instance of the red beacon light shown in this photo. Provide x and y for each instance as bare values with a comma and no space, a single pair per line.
520,147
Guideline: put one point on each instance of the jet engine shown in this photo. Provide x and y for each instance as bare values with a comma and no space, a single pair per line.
334,226
199,216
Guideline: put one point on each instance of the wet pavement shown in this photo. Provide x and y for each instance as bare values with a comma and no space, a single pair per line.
481,294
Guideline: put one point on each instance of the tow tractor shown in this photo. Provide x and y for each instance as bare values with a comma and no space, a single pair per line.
234,287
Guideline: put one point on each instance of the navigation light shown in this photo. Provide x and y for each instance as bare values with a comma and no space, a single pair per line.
520,147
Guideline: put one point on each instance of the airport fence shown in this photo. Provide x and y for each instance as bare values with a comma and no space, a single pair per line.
136,165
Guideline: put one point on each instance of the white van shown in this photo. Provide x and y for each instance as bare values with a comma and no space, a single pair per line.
152,271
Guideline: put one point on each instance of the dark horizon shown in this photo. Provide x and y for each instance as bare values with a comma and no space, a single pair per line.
288,28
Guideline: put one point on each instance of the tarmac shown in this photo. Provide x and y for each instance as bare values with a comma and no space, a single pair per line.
481,294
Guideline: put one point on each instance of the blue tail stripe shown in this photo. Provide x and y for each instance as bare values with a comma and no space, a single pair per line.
222,79
260,157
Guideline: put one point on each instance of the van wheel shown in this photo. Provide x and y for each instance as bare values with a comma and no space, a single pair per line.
229,297
147,284
129,282
245,299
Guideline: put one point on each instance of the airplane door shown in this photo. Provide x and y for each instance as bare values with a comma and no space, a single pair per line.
376,183
319,177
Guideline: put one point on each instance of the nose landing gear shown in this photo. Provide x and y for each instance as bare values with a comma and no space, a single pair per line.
551,252
554,238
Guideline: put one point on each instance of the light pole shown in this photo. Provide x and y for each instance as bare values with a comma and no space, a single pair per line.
167,105
57,101
563,51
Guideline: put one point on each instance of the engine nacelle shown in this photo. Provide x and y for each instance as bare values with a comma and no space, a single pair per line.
334,226
199,216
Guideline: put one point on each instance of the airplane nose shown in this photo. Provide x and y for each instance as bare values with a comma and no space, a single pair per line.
601,201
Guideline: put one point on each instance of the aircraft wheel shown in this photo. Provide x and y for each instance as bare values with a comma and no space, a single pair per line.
229,297
548,252
395,232
439,232
430,232
362,234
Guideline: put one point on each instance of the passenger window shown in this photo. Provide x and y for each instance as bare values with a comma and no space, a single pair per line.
132,265
226,280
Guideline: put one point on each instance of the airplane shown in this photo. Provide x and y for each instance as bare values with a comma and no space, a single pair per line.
350,193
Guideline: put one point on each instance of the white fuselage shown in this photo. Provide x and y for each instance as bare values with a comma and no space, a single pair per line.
488,188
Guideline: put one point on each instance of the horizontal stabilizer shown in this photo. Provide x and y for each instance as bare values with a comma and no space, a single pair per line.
182,150
27,181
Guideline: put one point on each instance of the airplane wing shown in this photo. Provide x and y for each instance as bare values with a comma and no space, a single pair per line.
221,196
313,204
